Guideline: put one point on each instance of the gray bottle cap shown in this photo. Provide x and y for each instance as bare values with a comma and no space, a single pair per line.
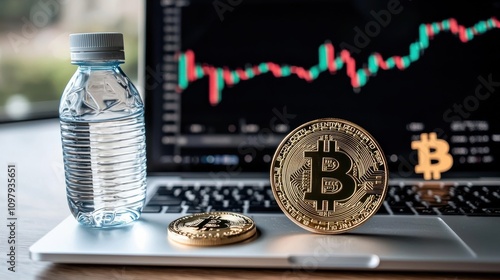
96,46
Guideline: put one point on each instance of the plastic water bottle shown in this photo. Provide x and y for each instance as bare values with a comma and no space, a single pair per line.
103,136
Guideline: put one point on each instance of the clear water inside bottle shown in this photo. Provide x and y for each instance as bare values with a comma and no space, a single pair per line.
105,170
103,141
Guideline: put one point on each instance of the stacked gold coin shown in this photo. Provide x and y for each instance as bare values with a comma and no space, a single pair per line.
329,176
210,229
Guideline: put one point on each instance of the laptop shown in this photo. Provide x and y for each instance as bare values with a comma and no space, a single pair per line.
226,81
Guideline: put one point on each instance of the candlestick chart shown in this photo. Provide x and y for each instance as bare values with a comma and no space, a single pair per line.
329,60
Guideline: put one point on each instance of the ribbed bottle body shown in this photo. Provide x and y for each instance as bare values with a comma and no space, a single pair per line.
105,170
103,139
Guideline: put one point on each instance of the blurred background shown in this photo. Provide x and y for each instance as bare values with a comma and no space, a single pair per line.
35,61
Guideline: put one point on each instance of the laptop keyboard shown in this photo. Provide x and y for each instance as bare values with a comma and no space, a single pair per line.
401,199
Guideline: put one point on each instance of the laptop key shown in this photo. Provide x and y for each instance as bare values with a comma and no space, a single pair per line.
492,211
165,200
234,203
395,202
402,210
173,209
194,202
151,209
474,212
448,210
164,190
424,210
227,209
196,209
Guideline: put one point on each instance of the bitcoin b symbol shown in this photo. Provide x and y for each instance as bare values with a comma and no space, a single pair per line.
430,148
212,222
330,180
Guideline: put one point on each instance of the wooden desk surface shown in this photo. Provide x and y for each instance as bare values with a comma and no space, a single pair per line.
41,204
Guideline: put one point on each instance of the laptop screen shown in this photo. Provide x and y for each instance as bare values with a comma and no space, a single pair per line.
226,80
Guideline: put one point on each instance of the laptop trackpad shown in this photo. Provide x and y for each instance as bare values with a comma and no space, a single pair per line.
379,239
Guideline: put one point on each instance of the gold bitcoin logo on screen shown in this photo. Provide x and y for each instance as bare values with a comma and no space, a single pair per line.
433,156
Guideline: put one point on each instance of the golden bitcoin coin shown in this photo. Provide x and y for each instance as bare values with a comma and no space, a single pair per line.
329,176
209,229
